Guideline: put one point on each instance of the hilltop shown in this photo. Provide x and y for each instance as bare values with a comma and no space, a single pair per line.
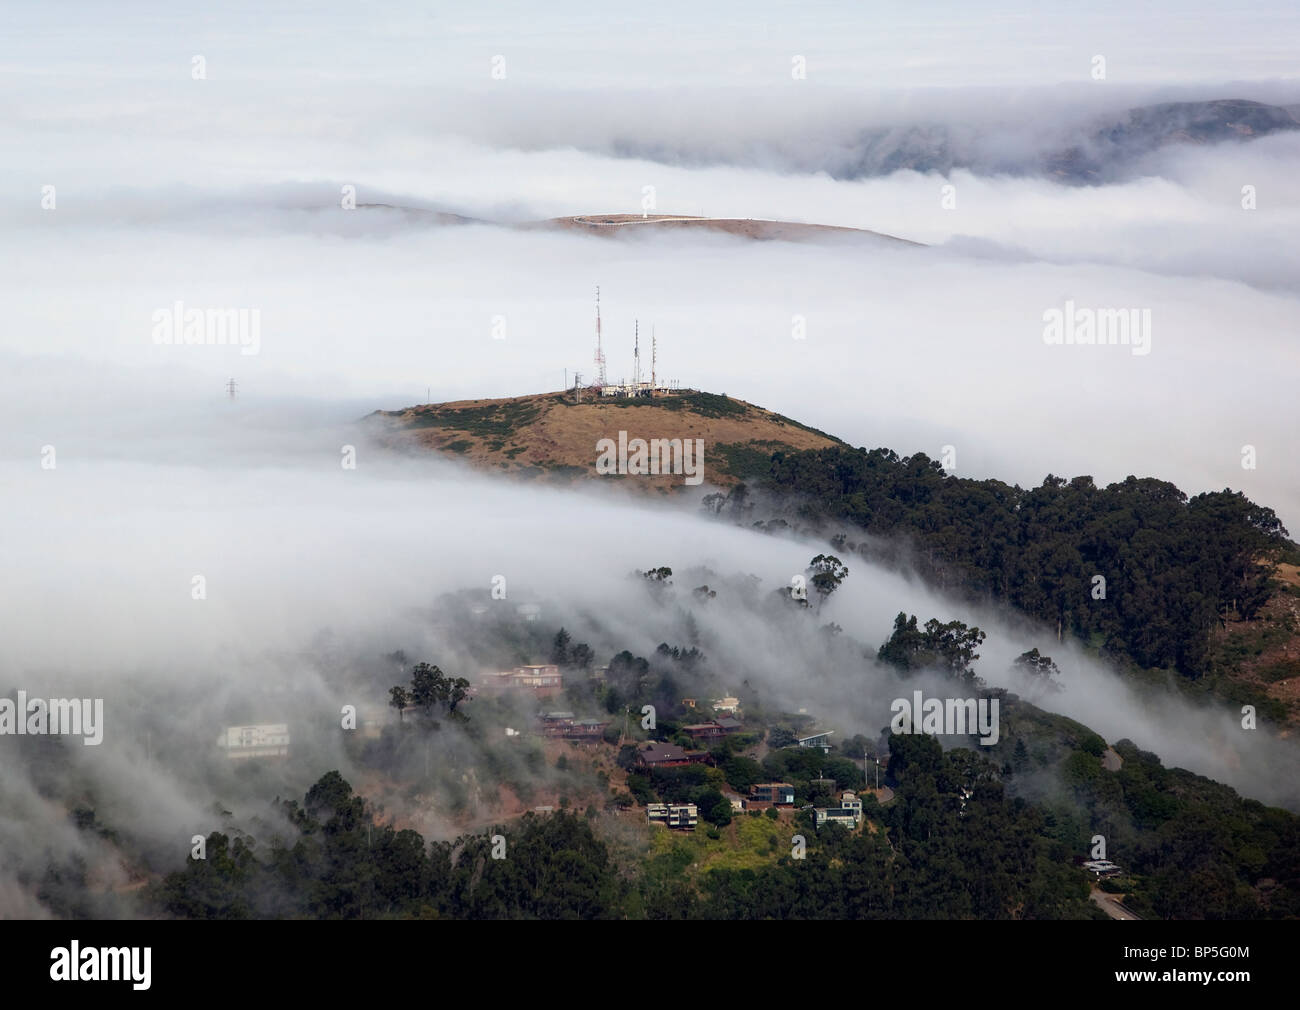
611,225
619,225
1240,642
552,435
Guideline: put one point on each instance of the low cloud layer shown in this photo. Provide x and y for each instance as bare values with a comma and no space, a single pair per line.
312,572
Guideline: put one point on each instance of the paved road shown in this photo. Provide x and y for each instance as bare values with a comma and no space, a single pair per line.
1109,904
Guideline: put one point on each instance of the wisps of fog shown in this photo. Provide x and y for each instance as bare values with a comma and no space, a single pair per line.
314,572
905,347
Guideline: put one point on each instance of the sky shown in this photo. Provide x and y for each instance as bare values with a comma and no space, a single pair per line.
884,44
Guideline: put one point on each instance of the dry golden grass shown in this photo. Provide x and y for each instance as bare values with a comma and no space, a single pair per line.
550,436
785,231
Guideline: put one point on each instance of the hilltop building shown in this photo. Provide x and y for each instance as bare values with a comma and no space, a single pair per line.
602,388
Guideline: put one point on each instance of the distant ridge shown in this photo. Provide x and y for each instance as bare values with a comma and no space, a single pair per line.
1102,149
618,225
743,227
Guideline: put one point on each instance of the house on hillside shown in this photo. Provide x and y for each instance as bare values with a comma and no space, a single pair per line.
676,815
263,741
822,741
542,679
371,720
771,794
539,675
715,730
848,813
565,725
666,755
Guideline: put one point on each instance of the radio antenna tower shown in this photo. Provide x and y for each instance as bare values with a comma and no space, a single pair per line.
230,388
636,354
600,354
654,357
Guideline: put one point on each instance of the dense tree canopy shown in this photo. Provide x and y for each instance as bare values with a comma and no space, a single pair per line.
1171,565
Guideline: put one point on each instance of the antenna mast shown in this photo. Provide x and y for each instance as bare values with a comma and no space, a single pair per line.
636,356
654,357
600,354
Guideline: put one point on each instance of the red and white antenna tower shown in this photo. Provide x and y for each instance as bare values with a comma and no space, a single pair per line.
600,354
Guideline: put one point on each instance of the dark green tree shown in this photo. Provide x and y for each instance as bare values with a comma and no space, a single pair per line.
827,572
560,648
399,699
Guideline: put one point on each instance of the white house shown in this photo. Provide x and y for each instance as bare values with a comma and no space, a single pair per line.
848,813
675,815
266,740
821,741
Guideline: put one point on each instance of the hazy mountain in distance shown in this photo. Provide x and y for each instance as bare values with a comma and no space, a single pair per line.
1103,149
1113,150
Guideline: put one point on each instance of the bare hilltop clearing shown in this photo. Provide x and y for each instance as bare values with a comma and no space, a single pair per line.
741,227
622,225
554,435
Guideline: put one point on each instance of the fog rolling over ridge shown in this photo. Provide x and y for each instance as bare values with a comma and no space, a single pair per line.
910,348
313,573
899,346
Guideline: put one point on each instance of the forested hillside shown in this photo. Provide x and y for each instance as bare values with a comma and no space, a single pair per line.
1173,567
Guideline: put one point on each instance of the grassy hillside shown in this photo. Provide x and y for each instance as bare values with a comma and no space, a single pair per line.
554,436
